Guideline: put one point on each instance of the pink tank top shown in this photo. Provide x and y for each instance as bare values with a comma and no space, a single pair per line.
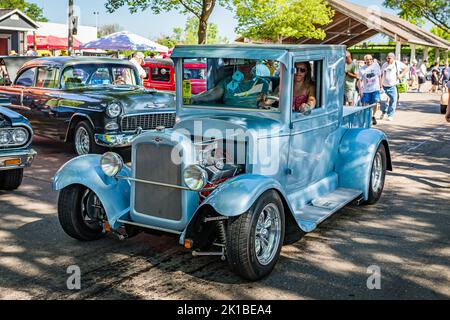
298,101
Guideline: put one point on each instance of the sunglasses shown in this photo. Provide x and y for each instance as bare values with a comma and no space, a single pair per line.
301,70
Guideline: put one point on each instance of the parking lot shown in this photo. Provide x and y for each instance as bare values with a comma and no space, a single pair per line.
407,235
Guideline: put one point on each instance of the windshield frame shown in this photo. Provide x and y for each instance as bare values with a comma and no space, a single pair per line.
109,65
180,65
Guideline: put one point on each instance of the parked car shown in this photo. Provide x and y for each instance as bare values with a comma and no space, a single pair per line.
94,103
15,150
161,75
241,166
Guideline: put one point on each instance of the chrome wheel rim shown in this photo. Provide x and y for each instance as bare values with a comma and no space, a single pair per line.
95,204
82,141
268,234
377,172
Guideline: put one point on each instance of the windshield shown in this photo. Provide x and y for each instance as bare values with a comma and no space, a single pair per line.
234,83
87,75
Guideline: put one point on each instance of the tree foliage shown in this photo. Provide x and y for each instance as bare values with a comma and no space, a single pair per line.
188,35
30,9
435,11
280,19
201,9
441,33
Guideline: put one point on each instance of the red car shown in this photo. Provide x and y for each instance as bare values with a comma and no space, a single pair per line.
161,75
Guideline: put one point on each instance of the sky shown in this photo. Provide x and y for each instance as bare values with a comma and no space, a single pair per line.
146,23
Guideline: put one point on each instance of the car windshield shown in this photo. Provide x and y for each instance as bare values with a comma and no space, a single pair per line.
88,75
234,83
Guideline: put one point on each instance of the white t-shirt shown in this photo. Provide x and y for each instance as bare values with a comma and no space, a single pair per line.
422,72
391,72
141,70
369,75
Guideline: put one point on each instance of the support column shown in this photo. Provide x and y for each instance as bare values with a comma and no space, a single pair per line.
425,53
398,50
437,55
413,53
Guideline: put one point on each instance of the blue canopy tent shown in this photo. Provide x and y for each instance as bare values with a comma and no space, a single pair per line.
125,40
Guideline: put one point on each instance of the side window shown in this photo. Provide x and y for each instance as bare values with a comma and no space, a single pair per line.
47,77
26,78
161,74
307,86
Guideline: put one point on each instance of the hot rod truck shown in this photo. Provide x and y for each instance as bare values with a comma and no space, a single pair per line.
267,147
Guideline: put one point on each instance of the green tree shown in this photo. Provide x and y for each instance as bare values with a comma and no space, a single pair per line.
30,9
440,33
201,9
435,11
280,19
188,35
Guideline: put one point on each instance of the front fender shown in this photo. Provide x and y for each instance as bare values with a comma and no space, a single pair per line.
356,153
237,195
113,193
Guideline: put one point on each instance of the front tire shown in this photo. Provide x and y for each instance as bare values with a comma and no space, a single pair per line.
377,175
255,238
84,140
11,179
80,213
443,109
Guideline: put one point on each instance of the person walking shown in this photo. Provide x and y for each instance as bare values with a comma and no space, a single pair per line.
435,76
445,77
421,74
369,84
351,74
392,72
138,61
413,74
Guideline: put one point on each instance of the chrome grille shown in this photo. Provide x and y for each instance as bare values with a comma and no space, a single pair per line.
148,121
153,163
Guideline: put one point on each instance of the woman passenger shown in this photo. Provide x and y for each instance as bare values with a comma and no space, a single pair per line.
304,97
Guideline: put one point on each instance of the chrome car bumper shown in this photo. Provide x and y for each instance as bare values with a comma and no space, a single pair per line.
16,159
115,140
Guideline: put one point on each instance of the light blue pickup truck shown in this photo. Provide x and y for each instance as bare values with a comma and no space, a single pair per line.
268,147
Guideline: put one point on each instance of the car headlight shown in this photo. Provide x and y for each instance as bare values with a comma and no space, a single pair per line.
111,164
5,137
113,110
19,136
195,177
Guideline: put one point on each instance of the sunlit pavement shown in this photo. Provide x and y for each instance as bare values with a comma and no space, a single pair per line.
406,235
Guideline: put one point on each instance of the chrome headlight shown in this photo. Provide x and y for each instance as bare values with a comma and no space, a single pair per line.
195,177
113,110
20,136
5,137
111,164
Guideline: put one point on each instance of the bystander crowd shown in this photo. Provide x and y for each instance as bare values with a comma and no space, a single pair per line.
351,74
369,84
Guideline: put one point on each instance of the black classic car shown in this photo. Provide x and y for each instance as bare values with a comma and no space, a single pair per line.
15,150
94,103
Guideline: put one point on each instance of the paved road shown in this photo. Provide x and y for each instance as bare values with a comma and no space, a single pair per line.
406,235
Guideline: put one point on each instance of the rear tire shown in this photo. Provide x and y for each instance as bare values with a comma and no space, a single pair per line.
84,140
255,238
11,179
377,175
443,109
72,213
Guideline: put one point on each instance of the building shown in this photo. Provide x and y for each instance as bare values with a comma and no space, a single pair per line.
84,34
14,25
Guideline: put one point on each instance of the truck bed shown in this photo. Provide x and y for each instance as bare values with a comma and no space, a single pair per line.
357,117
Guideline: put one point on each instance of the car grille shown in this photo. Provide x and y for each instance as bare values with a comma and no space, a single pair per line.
153,163
148,121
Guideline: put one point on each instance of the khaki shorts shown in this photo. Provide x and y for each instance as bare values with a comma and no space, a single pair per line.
349,96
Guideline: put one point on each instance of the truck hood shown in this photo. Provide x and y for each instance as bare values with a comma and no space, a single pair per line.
11,116
133,99
257,126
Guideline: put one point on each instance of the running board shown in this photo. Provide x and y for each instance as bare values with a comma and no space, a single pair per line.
321,208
